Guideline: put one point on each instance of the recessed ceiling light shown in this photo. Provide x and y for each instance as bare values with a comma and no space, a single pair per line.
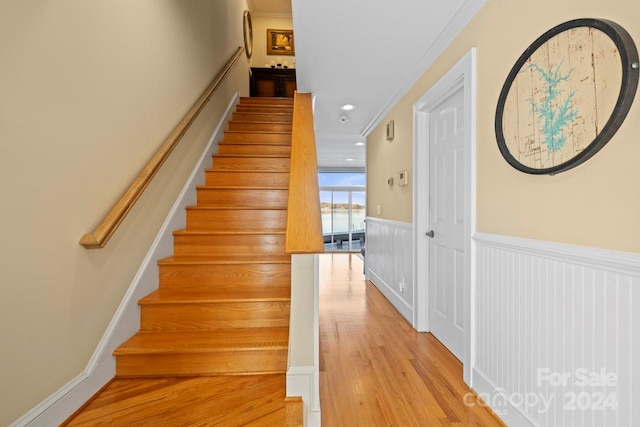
360,144
349,160
347,107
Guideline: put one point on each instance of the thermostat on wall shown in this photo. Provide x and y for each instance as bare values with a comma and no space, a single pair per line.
403,178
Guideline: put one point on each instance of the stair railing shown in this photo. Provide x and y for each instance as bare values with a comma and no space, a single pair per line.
103,232
304,223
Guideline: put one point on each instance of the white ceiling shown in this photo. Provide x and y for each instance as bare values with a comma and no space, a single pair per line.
366,53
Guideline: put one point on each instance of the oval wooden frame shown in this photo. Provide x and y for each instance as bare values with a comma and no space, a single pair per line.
247,30
629,59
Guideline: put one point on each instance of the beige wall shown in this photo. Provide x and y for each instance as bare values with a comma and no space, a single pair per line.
89,92
260,26
596,204
384,160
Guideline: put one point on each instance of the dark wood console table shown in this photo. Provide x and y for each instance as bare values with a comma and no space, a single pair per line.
273,82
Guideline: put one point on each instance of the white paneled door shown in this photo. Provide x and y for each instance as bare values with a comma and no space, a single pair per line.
447,217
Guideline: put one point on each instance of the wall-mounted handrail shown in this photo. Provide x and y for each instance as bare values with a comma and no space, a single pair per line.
103,232
304,223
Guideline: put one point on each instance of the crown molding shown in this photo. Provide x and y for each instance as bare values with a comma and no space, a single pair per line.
463,16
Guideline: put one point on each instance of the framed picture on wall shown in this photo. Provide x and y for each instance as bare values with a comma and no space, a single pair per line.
280,42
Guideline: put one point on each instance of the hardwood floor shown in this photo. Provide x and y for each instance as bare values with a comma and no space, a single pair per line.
194,401
375,369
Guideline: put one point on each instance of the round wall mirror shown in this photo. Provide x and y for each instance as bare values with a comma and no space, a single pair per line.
247,28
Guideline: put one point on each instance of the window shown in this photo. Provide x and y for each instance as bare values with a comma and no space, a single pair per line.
343,204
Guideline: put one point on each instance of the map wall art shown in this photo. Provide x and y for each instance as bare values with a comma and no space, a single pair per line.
566,96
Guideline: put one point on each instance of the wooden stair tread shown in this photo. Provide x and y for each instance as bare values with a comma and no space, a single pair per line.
248,177
230,162
184,232
263,121
284,111
221,400
257,155
243,242
240,187
264,107
210,400
285,117
187,296
240,208
225,259
269,100
256,142
240,171
149,342
242,197
237,208
270,126
258,132
266,99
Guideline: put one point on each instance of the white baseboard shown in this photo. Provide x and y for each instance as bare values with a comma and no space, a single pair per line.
389,262
56,408
398,303
496,399
300,383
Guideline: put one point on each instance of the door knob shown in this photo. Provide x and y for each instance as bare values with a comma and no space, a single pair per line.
430,233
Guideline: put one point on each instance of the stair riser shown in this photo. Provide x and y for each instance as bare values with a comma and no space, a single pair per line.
235,136
201,316
260,127
254,149
192,364
262,117
247,179
258,100
270,244
236,220
260,109
225,278
277,164
242,197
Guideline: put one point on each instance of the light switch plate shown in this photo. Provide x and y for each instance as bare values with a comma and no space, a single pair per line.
403,178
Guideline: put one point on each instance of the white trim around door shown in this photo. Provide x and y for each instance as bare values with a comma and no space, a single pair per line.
461,76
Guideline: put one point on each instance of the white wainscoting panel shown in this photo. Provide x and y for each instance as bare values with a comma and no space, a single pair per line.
557,333
389,262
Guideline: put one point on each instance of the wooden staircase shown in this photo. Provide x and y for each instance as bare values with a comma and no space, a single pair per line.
222,306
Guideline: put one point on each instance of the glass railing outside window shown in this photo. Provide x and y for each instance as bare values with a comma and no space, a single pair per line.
343,218
343,205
